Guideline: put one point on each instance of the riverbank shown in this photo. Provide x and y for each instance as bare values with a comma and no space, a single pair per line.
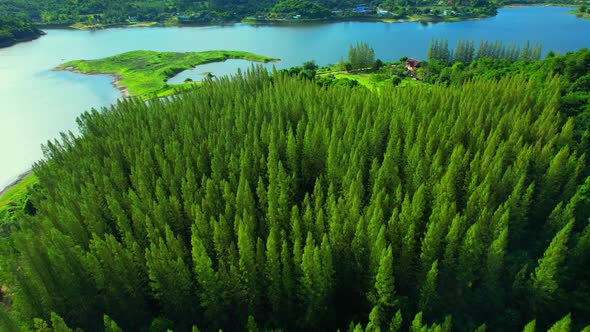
20,40
273,22
116,78
99,26
381,19
145,73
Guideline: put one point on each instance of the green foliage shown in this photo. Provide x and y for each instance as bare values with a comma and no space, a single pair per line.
268,202
544,279
7,323
378,64
361,56
384,283
58,324
251,327
161,325
530,326
306,9
396,322
110,325
439,51
465,51
13,29
563,325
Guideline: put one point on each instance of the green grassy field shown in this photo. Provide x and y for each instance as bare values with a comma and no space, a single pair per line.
362,79
17,194
144,73
373,81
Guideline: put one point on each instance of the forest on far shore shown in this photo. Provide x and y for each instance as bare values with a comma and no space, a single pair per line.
13,30
93,12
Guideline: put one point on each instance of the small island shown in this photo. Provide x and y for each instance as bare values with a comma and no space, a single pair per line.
144,73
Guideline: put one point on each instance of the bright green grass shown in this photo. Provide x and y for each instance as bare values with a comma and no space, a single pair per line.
144,73
369,80
362,79
411,82
17,194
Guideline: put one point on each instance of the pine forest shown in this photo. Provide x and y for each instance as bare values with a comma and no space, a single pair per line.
266,202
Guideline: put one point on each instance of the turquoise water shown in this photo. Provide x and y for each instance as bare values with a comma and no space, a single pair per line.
37,103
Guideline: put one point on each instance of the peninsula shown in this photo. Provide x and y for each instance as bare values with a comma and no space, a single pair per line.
144,73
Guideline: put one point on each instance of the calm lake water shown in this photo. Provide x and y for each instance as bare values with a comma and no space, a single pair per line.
218,69
36,103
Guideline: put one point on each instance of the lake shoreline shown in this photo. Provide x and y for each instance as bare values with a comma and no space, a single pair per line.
116,78
22,40
375,19
285,22
520,5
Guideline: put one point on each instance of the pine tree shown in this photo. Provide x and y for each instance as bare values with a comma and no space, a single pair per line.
384,280
545,277
170,277
273,270
396,322
205,277
563,325
58,324
247,262
530,326
110,325
375,320
252,326
428,289
417,324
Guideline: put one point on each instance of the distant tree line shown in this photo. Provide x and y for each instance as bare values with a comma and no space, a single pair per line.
119,11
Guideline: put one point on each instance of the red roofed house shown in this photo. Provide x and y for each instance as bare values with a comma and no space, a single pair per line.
412,64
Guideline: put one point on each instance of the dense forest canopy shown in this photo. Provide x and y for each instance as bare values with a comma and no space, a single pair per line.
268,201
15,29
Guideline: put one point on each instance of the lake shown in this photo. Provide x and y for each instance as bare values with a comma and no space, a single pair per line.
37,103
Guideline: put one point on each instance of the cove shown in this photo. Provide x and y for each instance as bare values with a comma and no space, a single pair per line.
37,103
217,69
